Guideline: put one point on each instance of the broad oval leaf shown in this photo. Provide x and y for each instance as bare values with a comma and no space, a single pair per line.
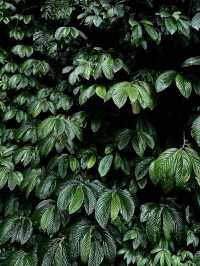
76,200
105,165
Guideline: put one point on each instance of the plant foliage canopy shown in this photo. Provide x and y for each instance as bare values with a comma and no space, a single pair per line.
100,132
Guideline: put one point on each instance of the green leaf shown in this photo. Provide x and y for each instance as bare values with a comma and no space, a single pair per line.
142,168
86,94
62,32
105,165
22,50
91,161
163,169
85,247
184,27
56,253
127,205
96,255
184,85
152,32
23,231
165,80
63,164
102,210
170,25
119,94
108,67
136,34
196,21
132,92
192,61
35,67
47,216
3,176
115,206
22,258
14,179
138,92
101,91
6,230
183,168
46,127
64,197
73,163
175,166
196,130
46,146
195,161
76,200
139,145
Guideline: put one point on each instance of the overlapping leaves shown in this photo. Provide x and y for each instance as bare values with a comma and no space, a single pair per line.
175,167
78,176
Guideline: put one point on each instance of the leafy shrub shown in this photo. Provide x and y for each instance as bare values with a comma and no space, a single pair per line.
100,132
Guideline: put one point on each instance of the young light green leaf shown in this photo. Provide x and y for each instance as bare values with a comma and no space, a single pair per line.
76,200
115,206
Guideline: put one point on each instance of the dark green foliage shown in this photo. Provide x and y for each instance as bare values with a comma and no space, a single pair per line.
99,132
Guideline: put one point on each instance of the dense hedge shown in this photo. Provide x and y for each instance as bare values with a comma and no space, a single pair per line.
100,132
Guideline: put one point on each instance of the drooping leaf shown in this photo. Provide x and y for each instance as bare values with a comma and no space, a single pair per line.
165,80
76,200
